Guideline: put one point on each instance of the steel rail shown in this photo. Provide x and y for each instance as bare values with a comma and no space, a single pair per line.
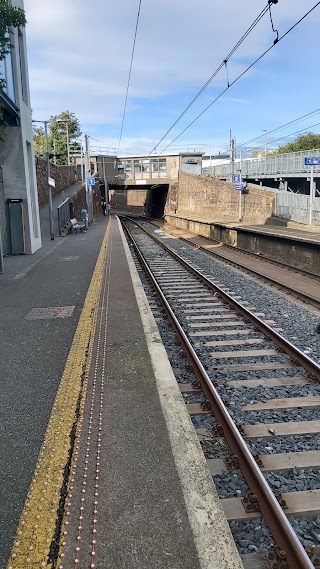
282,531
251,254
300,294
284,345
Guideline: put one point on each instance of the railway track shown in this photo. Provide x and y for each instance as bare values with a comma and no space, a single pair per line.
274,273
242,365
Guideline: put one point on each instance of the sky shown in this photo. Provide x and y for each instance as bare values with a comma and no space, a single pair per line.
79,57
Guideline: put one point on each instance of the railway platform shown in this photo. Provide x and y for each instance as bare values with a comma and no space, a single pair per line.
293,245
101,465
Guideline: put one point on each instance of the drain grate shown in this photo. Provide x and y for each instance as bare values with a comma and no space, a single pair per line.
52,312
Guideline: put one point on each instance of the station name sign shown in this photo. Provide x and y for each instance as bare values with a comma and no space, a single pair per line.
312,161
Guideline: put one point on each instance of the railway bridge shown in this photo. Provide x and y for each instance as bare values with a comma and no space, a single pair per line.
282,171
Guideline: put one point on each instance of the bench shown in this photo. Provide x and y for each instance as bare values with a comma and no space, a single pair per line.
77,226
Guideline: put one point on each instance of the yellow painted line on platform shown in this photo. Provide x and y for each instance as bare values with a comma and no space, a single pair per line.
36,530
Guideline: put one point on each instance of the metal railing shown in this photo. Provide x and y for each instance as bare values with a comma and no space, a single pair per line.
63,214
289,164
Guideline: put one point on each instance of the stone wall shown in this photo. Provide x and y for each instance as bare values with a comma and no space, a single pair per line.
64,177
79,202
210,198
130,201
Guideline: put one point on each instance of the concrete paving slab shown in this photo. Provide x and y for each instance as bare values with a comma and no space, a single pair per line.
32,356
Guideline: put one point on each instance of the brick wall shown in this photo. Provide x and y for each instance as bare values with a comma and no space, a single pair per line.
64,177
211,198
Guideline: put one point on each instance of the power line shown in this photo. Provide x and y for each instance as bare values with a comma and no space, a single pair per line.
215,73
288,135
129,77
242,74
299,119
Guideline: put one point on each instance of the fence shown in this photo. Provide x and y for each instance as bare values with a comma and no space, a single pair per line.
63,214
295,207
289,164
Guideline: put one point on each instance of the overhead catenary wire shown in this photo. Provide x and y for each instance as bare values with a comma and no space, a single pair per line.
299,119
215,73
129,77
242,74
289,135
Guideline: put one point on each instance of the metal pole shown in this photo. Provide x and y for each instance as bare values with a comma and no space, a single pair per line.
68,144
311,194
265,142
81,163
232,156
104,172
90,187
49,187
54,152
240,191
88,174
1,256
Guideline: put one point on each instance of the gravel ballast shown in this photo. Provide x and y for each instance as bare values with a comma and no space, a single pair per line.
298,326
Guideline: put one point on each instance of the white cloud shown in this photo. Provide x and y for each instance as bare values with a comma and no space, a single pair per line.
79,53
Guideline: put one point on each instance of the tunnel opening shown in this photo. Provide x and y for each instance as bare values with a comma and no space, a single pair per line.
156,200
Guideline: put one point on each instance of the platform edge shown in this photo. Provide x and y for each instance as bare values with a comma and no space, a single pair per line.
213,539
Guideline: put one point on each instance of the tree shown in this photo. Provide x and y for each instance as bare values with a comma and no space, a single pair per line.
58,134
39,141
10,17
306,141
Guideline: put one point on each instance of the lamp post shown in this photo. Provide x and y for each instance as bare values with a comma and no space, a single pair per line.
68,143
45,123
265,142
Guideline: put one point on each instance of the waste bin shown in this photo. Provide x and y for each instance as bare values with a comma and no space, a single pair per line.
16,224
84,217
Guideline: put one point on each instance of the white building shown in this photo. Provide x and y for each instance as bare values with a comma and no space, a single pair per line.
19,210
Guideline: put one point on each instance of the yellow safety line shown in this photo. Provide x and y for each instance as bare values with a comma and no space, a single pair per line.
37,524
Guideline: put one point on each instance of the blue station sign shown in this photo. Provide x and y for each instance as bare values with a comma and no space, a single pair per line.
91,181
312,161
239,186
236,178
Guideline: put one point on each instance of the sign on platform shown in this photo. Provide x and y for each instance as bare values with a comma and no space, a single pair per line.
312,161
239,186
52,182
91,181
236,178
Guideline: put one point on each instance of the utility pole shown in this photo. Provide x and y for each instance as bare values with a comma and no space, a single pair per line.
54,152
1,256
312,194
88,175
81,163
240,191
232,155
48,182
45,123
265,142
104,172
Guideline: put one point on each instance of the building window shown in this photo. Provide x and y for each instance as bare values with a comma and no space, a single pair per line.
128,166
137,165
23,67
120,168
159,165
6,73
145,165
